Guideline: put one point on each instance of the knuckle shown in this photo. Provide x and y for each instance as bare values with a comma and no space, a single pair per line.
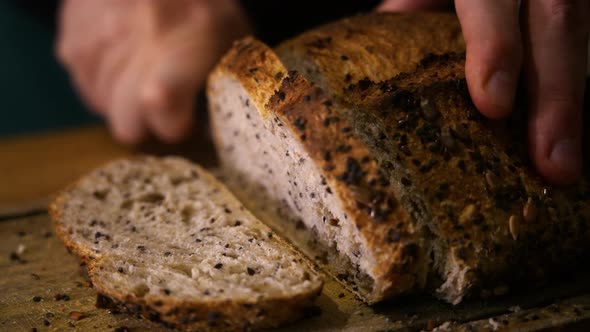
113,30
566,13
154,98
560,8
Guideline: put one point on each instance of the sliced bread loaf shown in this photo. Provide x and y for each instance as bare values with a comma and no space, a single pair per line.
165,239
462,177
402,181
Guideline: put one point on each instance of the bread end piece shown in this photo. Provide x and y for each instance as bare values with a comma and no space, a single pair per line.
383,255
140,224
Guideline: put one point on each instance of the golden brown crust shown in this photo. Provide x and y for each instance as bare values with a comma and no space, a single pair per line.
306,111
353,175
256,66
489,212
493,219
204,315
494,235
373,46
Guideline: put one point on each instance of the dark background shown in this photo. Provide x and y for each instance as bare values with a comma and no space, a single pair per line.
35,92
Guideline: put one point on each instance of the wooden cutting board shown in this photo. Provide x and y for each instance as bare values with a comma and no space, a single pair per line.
36,270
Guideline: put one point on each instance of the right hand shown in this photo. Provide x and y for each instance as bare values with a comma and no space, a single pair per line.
141,63
543,44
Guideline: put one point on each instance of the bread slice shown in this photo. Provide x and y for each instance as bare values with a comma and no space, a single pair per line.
311,165
395,174
165,239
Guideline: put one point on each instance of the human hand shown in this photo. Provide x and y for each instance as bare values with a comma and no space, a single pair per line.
141,63
548,46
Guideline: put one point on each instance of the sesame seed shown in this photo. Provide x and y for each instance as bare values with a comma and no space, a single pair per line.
513,223
468,214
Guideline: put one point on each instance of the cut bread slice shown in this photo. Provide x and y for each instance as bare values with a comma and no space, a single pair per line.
308,162
165,239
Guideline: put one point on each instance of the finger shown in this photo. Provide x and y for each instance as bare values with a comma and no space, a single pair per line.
410,5
170,112
110,69
83,75
494,53
168,97
556,37
83,84
75,51
124,113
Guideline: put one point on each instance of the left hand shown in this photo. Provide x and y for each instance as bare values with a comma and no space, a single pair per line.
548,46
140,63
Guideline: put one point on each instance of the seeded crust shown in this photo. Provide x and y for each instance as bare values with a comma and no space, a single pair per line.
464,178
354,176
469,179
393,250
132,255
481,220
374,46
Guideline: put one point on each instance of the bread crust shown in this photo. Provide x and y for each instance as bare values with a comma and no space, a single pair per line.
197,315
397,249
463,178
377,46
488,177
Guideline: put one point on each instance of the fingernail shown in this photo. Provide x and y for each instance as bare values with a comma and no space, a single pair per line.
500,88
567,155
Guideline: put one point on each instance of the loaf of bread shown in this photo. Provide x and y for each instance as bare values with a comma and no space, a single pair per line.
164,239
362,132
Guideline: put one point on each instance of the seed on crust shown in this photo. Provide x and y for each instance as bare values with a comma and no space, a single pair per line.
361,194
468,214
76,315
430,113
447,140
513,224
